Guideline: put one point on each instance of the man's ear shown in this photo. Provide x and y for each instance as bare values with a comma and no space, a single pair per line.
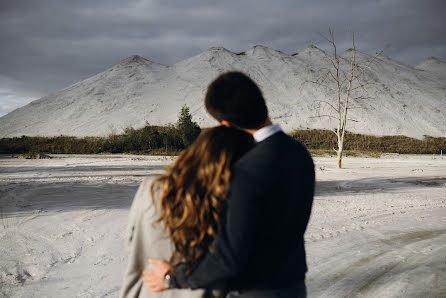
231,125
226,123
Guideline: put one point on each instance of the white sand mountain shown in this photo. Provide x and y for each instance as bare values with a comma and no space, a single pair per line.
137,90
434,66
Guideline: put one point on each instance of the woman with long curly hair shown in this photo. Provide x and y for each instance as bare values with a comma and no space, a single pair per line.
175,216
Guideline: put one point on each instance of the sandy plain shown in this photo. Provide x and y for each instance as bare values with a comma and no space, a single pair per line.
377,229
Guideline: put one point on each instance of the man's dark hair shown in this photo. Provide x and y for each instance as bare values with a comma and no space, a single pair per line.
234,97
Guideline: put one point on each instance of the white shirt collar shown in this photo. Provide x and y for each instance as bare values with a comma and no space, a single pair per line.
265,132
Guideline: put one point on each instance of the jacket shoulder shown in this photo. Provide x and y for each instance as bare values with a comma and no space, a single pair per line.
278,148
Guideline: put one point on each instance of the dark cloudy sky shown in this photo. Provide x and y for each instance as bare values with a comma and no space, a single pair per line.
46,45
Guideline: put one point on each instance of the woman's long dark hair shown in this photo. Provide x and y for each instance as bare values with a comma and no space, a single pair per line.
193,189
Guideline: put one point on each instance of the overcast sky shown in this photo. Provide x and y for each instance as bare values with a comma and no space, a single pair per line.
46,45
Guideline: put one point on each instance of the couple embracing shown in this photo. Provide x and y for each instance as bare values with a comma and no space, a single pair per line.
228,217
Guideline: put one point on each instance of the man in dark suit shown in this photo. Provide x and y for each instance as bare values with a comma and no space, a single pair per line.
259,251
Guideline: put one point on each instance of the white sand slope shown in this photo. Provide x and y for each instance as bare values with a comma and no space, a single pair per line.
377,228
434,66
136,91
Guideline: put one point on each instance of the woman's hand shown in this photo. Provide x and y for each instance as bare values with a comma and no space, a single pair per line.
154,278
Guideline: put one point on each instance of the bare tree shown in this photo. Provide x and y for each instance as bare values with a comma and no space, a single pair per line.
345,78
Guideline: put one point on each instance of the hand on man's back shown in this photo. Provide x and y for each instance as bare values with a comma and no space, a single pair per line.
154,278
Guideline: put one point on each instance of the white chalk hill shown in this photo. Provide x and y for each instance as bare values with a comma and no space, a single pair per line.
136,91
433,66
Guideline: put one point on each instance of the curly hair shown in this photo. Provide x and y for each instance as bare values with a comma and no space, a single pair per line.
192,191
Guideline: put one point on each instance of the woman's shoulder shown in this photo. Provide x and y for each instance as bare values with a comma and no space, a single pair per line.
148,181
145,187
143,201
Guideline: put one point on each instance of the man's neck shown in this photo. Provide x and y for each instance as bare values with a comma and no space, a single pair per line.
253,131
248,130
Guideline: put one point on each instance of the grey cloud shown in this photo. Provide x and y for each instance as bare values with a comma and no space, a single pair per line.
49,44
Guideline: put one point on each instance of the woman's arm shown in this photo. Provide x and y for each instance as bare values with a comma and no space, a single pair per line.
238,230
136,237
146,239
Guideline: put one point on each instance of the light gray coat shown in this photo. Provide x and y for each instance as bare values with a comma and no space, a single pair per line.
146,239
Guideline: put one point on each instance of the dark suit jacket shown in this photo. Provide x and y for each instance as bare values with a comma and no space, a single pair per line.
260,243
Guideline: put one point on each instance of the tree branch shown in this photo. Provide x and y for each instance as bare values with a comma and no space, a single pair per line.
327,103
320,116
320,84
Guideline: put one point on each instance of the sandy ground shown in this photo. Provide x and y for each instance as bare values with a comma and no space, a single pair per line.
378,227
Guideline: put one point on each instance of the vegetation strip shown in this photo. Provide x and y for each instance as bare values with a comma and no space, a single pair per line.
170,140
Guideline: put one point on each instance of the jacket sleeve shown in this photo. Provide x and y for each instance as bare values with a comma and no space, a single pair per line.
237,234
132,283
146,239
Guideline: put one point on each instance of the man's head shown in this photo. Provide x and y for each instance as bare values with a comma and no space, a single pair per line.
235,98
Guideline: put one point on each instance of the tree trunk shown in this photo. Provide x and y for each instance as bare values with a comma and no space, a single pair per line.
339,159
340,148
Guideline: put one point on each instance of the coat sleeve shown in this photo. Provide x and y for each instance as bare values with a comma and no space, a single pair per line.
134,241
146,239
236,238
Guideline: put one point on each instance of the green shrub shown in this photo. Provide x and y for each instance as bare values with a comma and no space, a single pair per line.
150,139
325,140
170,140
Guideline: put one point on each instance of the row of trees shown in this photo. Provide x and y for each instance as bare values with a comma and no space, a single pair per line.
168,141
151,139
320,141
155,138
